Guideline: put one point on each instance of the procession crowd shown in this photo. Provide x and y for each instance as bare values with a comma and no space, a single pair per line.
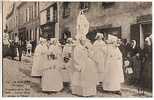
79,63
82,67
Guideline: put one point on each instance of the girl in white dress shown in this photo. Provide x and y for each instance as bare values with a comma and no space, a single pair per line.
113,72
39,57
51,76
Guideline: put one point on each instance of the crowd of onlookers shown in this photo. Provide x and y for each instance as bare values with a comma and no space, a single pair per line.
137,63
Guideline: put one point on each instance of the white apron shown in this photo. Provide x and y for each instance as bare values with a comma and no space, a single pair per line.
67,72
113,73
51,76
39,60
84,79
99,55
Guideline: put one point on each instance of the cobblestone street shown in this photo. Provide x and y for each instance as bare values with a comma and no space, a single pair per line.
13,70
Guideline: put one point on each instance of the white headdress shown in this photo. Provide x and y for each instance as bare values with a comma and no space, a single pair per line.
99,35
55,41
51,40
134,43
42,39
112,38
69,39
148,41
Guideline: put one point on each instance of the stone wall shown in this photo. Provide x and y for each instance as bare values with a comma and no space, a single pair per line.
120,14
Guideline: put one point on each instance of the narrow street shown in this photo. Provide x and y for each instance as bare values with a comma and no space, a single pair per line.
15,71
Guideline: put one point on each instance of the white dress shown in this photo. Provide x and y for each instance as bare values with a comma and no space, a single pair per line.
51,76
99,48
84,79
38,60
67,72
113,73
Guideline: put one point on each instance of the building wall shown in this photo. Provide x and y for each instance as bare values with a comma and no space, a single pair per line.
12,22
29,18
44,6
7,7
120,14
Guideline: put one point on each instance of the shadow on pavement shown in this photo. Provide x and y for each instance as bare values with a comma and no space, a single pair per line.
25,71
36,87
26,60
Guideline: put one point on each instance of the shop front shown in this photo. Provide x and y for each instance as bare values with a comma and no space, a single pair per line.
48,20
141,30
48,30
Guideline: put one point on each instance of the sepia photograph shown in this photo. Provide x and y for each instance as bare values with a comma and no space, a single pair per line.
77,49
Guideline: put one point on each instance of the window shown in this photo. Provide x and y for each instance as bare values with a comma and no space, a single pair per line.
16,21
66,9
48,15
51,14
28,15
31,12
34,11
43,17
37,9
107,4
55,12
84,5
25,19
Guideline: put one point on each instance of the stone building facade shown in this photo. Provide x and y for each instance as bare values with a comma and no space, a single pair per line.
105,16
129,20
28,25
12,22
23,20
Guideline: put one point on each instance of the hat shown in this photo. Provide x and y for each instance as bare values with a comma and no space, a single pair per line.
99,35
112,38
69,39
134,44
148,40
55,40
51,40
42,39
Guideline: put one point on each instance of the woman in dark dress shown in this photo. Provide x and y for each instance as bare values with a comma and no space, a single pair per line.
13,52
146,70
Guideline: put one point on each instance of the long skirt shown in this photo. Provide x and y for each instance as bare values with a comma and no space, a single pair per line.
84,82
113,76
52,80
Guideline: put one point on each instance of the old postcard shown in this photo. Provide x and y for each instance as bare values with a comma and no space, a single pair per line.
77,49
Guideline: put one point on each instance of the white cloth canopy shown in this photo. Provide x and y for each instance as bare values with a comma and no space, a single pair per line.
82,26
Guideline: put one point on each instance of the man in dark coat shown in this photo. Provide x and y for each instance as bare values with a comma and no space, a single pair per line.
20,49
13,52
